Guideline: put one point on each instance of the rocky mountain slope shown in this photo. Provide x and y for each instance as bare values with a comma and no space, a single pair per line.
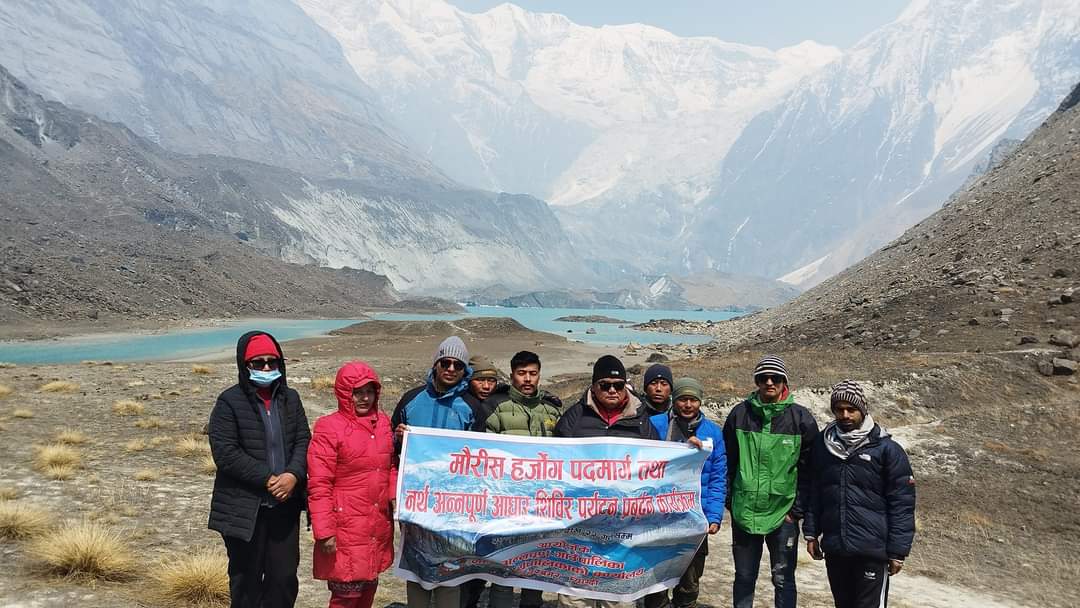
709,290
100,226
253,80
416,232
875,142
997,269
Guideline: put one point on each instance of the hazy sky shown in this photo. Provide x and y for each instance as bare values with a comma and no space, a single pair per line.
769,23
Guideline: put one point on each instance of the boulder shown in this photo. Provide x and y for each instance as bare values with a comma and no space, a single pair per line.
1045,367
1064,367
1064,338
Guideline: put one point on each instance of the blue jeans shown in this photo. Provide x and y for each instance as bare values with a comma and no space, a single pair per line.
783,544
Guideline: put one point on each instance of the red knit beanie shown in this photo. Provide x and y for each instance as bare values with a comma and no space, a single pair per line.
260,346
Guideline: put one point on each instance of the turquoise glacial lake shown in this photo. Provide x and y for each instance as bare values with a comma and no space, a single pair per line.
195,342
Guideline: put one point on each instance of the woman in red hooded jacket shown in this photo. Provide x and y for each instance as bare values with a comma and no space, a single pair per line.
352,478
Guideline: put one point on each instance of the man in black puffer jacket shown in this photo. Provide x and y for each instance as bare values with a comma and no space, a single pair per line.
608,408
259,438
862,504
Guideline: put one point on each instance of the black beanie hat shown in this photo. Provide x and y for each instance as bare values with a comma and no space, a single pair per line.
608,366
657,371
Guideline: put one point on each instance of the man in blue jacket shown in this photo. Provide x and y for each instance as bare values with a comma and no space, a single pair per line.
685,423
439,403
862,508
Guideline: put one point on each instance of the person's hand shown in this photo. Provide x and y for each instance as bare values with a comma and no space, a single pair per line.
281,486
714,528
327,545
789,519
895,565
694,441
814,548
400,430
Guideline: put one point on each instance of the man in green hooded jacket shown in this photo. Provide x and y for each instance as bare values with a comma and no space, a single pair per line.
768,438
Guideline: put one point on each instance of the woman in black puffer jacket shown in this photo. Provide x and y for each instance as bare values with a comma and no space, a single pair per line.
259,438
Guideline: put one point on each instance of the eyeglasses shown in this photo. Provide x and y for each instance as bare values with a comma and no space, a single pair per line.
766,378
450,364
263,364
607,386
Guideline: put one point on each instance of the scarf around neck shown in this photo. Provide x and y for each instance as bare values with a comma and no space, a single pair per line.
680,429
520,398
841,444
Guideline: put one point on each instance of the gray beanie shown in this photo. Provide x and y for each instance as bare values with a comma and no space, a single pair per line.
849,392
771,364
451,348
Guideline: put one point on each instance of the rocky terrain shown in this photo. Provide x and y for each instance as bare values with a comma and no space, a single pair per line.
996,269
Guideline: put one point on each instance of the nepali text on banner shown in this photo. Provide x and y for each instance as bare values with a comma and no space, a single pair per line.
603,518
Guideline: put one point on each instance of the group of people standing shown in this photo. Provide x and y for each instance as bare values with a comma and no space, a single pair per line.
849,485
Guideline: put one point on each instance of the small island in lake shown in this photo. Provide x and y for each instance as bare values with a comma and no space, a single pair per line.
589,319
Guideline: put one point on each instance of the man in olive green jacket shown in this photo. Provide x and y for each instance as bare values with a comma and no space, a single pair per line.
768,438
520,409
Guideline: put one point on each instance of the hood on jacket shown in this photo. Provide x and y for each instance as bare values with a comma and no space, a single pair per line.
455,390
244,372
350,377
768,411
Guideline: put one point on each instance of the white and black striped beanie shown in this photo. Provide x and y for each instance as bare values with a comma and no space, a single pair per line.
771,364
849,392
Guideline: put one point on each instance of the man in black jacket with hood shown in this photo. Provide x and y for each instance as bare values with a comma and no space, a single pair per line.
862,509
259,438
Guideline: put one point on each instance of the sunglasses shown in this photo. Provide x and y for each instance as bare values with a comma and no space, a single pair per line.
263,364
607,386
450,364
775,379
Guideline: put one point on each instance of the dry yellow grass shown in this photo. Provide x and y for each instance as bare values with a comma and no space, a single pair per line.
20,521
193,446
147,475
56,454
127,407
135,445
22,412
208,465
135,383
71,437
8,493
322,383
974,518
58,472
84,549
5,390
156,441
198,578
59,386
202,370
153,422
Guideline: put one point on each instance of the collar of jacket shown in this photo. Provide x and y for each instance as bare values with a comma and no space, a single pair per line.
633,403
521,399
768,411
454,391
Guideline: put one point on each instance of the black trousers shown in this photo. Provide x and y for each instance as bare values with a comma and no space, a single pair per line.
262,572
858,582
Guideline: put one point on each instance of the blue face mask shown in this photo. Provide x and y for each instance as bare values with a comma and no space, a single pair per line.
264,378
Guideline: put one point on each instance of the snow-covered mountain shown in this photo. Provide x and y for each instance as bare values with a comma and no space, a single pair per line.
244,78
709,155
530,102
877,141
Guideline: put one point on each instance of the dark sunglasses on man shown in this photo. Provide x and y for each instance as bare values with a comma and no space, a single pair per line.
774,378
606,386
450,364
264,363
